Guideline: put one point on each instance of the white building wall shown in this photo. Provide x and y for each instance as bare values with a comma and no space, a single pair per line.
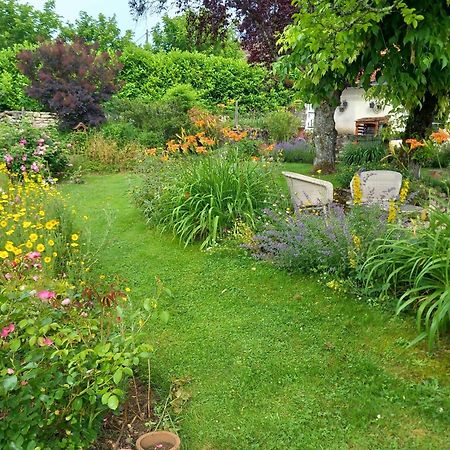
357,108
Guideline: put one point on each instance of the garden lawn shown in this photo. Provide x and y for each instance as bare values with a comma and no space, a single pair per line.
276,361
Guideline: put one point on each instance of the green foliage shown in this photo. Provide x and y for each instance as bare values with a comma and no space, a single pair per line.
60,371
13,83
181,96
103,31
281,125
296,150
414,266
20,23
405,42
27,145
123,133
158,121
173,33
216,79
207,196
360,153
440,155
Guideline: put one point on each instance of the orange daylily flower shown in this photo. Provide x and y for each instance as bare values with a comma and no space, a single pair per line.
414,143
440,136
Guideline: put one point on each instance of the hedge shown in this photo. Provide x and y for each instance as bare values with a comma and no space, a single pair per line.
217,79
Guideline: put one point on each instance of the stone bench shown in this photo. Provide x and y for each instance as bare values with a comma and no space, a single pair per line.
378,186
307,191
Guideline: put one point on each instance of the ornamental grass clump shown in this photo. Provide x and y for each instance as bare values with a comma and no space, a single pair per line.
209,195
413,265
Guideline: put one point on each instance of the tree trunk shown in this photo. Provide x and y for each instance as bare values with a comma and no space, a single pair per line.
420,119
325,136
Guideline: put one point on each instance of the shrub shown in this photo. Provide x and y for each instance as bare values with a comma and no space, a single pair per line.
162,119
296,150
310,242
216,79
361,153
27,149
281,125
207,195
73,80
104,154
62,369
124,133
413,265
182,96
13,83
65,356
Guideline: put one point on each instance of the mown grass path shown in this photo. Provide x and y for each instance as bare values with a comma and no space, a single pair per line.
276,361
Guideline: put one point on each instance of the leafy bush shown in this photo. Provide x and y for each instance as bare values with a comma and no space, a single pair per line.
73,80
310,242
440,156
105,155
27,149
296,150
64,353
182,96
62,368
149,75
413,265
207,196
161,120
13,83
124,133
364,152
281,125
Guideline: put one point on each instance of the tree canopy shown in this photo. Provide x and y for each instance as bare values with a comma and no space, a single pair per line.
101,30
20,23
259,23
177,33
403,43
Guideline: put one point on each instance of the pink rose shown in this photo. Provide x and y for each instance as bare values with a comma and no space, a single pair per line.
7,330
65,302
47,342
9,159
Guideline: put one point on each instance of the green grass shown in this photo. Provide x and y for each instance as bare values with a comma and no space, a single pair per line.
276,361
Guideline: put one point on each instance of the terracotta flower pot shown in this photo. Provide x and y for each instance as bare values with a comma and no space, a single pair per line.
158,440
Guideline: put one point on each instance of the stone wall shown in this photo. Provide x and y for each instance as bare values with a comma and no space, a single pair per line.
37,119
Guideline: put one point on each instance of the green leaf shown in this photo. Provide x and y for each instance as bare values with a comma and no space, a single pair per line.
117,377
105,398
113,402
14,345
164,316
10,383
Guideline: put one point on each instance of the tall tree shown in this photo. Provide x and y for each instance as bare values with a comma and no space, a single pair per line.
259,23
178,33
404,42
101,30
21,23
